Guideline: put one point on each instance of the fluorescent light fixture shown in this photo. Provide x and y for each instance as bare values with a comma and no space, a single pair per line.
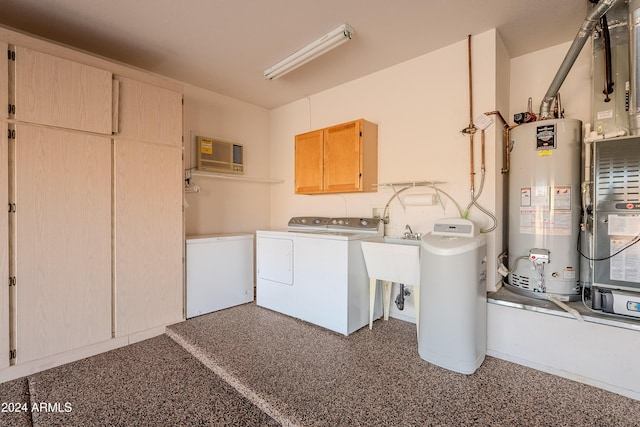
319,47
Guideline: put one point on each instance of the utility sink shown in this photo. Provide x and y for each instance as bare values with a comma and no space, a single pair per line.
394,260
401,241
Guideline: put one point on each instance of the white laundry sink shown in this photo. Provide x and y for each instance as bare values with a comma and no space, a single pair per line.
394,260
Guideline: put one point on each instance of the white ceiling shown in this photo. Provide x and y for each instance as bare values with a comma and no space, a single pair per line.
225,45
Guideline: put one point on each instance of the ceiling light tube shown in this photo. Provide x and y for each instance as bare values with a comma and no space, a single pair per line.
324,44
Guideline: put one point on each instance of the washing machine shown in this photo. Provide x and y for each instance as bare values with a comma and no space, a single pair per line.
453,300
315,271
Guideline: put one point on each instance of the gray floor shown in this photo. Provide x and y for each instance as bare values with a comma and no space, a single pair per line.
151,383
247,366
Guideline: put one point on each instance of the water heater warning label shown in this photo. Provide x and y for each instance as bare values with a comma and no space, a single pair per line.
546,210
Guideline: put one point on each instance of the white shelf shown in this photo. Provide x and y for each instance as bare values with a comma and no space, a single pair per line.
236,177
410,184
399,187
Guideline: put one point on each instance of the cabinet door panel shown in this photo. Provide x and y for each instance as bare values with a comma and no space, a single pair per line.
4,248
309,162
59,92
149,113
342,157
4,80
63,241
149,240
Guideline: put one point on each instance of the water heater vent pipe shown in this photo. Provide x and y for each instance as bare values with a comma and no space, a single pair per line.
584,33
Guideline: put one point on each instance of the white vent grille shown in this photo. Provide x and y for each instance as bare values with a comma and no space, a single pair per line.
618,171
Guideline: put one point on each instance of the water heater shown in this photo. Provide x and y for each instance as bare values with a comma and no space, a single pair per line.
545,209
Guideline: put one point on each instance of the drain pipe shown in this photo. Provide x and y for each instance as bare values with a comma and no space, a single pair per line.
404,292
581,38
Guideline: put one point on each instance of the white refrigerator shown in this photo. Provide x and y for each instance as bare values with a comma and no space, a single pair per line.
219,272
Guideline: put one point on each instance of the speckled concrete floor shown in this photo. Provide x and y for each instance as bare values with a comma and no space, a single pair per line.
308,376
260,368
150,383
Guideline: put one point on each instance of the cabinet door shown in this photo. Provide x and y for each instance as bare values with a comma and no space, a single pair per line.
4,247
62,93
309,162
4,80
63,241
149,113
343,158
149,241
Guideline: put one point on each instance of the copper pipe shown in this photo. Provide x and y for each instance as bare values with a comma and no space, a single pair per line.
507,128
471,128
497,113
507,150
470,83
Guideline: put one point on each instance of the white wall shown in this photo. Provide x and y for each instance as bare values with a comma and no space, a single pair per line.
225,206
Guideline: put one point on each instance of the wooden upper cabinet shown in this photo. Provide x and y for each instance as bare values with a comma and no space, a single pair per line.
309,162
149,113
337,159
61,93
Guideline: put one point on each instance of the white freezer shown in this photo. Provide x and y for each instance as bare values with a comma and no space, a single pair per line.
219,272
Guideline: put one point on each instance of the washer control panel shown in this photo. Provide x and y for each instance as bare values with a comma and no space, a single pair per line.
355,224
343,224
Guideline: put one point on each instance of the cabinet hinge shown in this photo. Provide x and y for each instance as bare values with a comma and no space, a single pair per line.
11,54
12,281
12,354
12,108
12,207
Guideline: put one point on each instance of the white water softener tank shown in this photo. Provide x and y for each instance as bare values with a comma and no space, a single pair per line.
453,296
545,209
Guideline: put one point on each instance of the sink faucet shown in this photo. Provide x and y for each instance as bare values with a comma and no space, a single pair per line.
410,234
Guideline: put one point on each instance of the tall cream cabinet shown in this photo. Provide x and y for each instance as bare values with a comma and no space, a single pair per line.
62,231
92,243
148,236
4,215
4,246
4,81
148,233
